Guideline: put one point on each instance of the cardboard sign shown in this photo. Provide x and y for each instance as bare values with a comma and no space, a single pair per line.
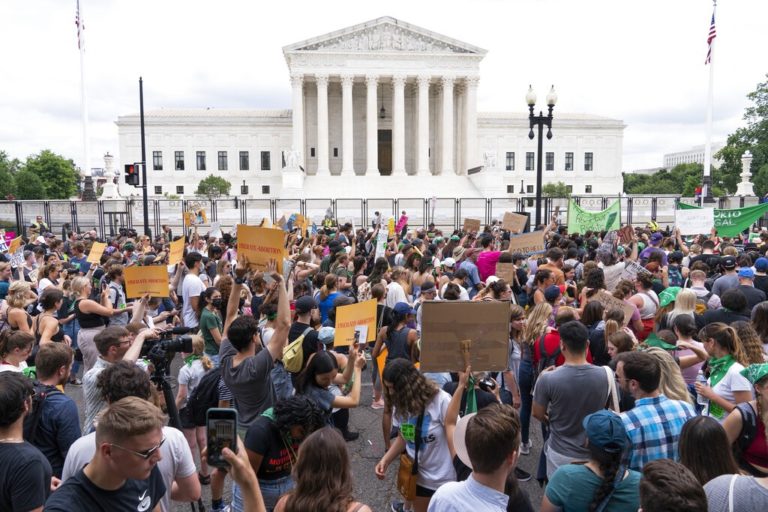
514,222
506,271
695,222
97,249
626,234
610,302
176,252
529,243
354,317
140,281
281,222
446,324
260,245
471,225
195,217
14,245
631,270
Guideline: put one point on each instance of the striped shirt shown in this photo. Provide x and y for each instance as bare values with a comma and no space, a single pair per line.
653,428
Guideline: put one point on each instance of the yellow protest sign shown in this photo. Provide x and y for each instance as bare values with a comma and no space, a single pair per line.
260,245
97,249
140,281
391,226
359,317
176,252
381,361
15,244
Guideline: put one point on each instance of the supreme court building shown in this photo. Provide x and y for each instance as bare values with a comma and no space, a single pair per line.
380,109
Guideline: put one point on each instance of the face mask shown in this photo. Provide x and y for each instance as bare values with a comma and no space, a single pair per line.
216,303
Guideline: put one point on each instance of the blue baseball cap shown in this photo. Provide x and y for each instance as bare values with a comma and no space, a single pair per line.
605,430
403,308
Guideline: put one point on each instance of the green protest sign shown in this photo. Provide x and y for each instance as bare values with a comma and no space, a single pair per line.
581,220
733,222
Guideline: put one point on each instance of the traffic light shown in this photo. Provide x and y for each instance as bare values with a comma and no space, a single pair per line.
132,174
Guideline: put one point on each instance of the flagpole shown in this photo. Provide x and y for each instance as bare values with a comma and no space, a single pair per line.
707,188
85,170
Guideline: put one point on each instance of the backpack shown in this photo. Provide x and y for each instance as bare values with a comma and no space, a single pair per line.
748,425
546,360
701,304
204,396
32,420
675,276
293,354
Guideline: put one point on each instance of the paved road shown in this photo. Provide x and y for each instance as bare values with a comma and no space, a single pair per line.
365,452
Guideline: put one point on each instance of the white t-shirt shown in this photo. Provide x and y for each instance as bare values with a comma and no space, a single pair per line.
435,463
177,461
395,294
190,375
463,295
612,274
732,382
5,367
43,284
191,287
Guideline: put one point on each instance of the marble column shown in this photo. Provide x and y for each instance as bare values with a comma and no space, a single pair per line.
297,115
347,140
371,126
447,142
470,122
422,146
398,125
322,125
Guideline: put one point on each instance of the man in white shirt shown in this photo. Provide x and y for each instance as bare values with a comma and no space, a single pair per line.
191,289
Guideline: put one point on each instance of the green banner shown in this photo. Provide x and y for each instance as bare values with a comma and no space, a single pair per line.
581,220
732,222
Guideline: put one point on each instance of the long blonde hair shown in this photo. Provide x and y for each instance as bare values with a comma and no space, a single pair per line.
671,384
17,294
536,323
685,304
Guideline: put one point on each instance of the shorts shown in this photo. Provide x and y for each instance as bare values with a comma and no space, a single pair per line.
423,492
185,415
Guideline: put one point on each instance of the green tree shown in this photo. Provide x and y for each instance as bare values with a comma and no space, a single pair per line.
8,164
8,167
752,137
558,189
213,187
760,181
57,174
29,185
681,179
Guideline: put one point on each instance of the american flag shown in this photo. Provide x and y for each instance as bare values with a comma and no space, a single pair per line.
710,38
80,28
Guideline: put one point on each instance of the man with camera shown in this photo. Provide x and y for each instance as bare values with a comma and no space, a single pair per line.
115,343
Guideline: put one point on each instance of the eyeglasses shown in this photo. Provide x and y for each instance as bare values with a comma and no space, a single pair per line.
146,454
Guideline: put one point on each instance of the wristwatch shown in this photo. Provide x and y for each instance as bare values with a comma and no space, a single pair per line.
239,280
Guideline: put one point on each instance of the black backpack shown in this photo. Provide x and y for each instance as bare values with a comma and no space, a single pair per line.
32,420
748,425
204,396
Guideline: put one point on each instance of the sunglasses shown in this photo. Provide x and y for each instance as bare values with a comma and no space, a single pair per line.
146,454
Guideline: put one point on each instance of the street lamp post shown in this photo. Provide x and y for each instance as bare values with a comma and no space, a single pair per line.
540,121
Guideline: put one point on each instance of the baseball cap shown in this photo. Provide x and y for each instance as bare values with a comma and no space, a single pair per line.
459,439
761,264
605,430
491,280
326,334
450,262
729,262
455,238
305,304
552,292
746,273
403,308
656,238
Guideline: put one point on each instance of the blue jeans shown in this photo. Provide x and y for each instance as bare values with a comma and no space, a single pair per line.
71,329
441,378
271,490
525,382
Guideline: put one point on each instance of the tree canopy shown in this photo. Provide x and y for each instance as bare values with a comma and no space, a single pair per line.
29,185
57,174
213,187
681,179
558,189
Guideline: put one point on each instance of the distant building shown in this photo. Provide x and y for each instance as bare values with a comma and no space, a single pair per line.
695,155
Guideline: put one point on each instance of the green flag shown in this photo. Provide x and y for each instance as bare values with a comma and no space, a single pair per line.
581,221
733,222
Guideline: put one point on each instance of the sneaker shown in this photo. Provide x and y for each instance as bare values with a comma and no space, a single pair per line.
525,448
223,508
350,436
522,476
377,404
75,382
397,506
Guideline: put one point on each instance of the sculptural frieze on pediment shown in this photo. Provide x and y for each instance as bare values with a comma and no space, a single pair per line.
386,38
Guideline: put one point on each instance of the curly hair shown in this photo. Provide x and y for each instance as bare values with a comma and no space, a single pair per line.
750,342
412,391
537,321
298,410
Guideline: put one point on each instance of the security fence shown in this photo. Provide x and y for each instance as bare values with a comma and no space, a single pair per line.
447,213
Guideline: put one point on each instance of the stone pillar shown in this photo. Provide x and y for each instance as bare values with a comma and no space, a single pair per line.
470,122
447,143
322,125
297,114
398,125
422,147
347,140
371,126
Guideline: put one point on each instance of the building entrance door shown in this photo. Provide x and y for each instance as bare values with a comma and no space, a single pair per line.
385,152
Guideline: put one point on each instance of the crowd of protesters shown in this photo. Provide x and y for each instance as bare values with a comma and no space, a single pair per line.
641,354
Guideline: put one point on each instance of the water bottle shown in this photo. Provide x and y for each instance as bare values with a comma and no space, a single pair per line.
702,401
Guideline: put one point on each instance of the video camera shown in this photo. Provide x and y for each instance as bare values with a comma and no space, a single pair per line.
160,351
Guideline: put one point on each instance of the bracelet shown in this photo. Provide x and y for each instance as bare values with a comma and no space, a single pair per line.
239,280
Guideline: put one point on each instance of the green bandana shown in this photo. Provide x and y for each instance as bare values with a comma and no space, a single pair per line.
471,404
191,359
718,368
755,372
654,341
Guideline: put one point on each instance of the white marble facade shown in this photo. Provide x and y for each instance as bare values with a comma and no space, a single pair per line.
429,137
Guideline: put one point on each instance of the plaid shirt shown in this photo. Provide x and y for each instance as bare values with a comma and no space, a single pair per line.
653,428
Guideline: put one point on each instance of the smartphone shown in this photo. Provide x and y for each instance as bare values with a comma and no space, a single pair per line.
221,426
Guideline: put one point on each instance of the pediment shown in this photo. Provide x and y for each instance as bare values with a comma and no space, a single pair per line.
385,35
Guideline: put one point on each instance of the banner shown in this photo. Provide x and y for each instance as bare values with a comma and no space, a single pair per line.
529,243
140,281
359,317
581,220
176,251
733,222
471,225
97,249
260,245
514,222
695,222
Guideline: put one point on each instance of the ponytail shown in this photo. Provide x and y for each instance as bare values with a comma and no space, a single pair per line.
328,285
610,465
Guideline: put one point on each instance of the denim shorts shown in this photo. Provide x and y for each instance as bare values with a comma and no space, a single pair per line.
271,490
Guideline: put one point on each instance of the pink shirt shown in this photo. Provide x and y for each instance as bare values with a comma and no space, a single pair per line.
486,263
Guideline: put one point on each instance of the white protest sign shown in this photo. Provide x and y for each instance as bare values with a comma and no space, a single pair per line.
381,243
215,230
631,270
696,221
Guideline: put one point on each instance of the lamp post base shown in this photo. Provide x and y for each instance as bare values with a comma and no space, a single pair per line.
707,197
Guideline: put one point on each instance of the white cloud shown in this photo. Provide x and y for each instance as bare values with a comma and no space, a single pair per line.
639,61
